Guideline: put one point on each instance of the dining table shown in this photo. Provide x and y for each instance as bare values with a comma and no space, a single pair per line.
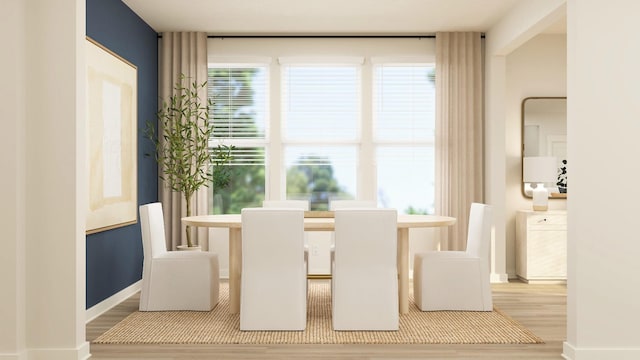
313,221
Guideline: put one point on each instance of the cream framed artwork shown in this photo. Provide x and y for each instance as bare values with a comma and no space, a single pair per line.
112,84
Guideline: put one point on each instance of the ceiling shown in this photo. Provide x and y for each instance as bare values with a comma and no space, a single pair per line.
321,17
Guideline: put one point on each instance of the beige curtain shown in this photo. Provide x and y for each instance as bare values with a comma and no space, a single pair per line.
459,131
182,53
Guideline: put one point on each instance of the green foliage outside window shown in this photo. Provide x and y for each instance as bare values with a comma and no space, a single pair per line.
233,116
314,182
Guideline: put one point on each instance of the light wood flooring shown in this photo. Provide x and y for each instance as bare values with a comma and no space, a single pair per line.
539,307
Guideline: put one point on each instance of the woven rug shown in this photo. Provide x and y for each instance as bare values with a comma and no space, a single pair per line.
220,327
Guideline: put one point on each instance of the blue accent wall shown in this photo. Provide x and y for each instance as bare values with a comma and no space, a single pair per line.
114,257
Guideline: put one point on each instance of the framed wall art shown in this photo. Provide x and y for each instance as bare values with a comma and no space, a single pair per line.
112,84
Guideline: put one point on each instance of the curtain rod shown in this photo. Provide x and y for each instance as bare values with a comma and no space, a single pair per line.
430,36
321,36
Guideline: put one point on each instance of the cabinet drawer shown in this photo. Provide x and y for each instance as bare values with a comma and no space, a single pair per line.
541,245
546,222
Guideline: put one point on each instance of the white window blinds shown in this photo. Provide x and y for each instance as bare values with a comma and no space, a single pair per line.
239,95
243,155
404,103
320,102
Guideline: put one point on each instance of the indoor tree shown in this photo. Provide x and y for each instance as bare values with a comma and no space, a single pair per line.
182,144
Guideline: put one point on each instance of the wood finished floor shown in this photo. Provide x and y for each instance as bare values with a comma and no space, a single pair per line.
539,307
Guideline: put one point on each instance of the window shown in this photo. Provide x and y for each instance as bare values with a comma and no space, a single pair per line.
355,123
320,123
239,117
404,127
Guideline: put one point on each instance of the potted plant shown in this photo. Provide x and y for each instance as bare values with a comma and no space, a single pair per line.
182,145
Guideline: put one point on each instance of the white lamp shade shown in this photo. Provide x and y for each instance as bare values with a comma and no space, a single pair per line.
540,169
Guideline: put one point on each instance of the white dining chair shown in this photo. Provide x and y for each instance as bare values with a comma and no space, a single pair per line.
364,270
273,293
346,204
174,280
457,280
292,204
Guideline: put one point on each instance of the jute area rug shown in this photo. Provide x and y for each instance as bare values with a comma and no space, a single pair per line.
220,327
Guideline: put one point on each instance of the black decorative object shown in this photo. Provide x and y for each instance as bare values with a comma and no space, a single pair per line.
562,177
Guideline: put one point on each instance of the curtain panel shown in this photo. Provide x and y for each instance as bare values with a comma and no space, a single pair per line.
459,140
182,53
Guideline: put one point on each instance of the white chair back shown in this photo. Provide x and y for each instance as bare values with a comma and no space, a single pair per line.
274,275
347,204
272,239
152,228
366,238
479,232
364,274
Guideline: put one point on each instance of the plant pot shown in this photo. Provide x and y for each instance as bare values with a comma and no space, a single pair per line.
189,248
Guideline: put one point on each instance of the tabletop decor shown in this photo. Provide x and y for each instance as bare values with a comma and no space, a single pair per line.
562,177
538,171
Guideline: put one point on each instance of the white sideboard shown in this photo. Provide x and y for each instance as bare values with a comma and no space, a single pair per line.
541,245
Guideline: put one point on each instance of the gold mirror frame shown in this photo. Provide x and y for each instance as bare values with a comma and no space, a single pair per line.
552,195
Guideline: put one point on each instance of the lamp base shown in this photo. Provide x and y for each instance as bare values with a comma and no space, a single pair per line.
540,208
540,198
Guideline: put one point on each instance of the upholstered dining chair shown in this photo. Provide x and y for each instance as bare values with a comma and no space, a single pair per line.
346,204
273,293
292,204
174,280
457,280
364,285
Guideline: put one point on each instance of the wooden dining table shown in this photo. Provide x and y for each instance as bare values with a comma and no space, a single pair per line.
313,222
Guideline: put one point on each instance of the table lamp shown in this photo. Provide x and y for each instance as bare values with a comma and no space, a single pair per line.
538,170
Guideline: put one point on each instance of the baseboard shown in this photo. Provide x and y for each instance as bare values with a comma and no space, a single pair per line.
499,278
108,303
16,356
224,274
80,353
569,352
541,281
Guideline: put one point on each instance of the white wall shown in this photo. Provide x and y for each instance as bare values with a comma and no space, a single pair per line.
603,50
603,306
536,68
12,182
523,22
43,183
